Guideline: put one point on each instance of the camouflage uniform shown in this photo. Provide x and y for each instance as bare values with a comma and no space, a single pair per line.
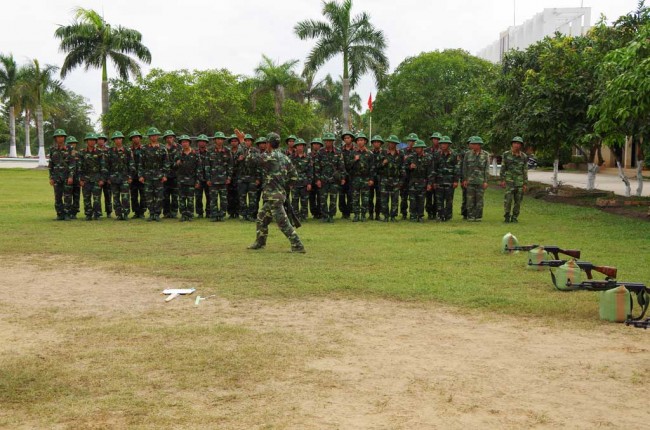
203,189
404,192
76,188
299,192
188,172
61,168
219,173
514,172
431,204
419,178
92,170
475,172
106,188
138,199
460,155
233,190
246,181
374,199
314,194
446,174
390,166
171,186
329,169
120,170
154,166
362,170
345,195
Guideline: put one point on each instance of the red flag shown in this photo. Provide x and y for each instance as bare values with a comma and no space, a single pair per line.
370,103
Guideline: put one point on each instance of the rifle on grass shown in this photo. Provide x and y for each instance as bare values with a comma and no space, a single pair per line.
555,250
639,324
587,267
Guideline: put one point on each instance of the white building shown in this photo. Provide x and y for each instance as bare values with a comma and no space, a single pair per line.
572,21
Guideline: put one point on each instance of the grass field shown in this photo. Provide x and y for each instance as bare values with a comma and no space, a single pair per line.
104,359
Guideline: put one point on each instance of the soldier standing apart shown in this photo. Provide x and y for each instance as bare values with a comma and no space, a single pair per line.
92,175
329,173
233,192
204,188
103,148
347,150
461,155
138,200
279,175
419,165
120,175
219,175
446,174
314,194
362,171
404,194
475,178
391,176
154,169
514,178
71,144
246,186
430,204
170,195
61,168
188,173
374,201
305,171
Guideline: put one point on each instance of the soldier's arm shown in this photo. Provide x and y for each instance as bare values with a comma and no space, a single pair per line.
486,168
72,165
50,165
230,167
504,167
526,171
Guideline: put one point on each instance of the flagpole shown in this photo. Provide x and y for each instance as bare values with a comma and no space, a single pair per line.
370,135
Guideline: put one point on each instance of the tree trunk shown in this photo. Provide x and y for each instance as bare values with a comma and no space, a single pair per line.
592,170
104,96
347,125
624,178
556,169
494,166
12,132
28,149
42,162
639,177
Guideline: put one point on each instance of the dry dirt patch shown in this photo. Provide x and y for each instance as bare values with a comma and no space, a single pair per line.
373,364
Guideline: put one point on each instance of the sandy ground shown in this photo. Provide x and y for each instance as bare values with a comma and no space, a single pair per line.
395,365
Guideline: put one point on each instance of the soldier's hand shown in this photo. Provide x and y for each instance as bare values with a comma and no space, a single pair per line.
178,162
308,187
141,179
209,183
485,185
318,183
455,185
464,184
82,183
342,181
503,184
356,158
240,135
412,166
101,183
257,182
385,162
163,179
525,188
241,158
429,187
197,186
70,181
129,180
52,182
108,182
227,181
371,183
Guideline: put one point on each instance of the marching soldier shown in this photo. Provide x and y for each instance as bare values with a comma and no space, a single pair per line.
430,205
514,178
71,144
92,175
446,175
138,200
347,150
188,173
374,200
153,170
103,148
219,173
362,170
170,195
61,168
246,179
390,167
418,164
329,173
476,165
204,188
301,188
314,194
120,175
404,193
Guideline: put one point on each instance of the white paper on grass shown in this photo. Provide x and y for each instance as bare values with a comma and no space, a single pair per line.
179,291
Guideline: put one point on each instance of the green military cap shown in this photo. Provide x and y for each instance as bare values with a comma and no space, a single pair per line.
117,135
202,137
261,139
248,136
476,139
102,136
412,136
345,133
445,139
219,135
71,139
233,137
59,132
317,140
361,136
377,138
184,137
300,141
134,133
90,136
517,139
168,133
291,136
436,135
393,139
153,131
419,144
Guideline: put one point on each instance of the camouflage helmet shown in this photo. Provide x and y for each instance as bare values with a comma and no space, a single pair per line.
361,136
168,133
260,140
345,133
300,141
71,139
517,139
330,136
476,139
436,135
59,132
248,137
102,136
273,138
153,131
291,136
317,141
393,139
445,139
412,136
184,137
233,137
420,144
90,136
116,135
134,133
202,138
219,135
377,138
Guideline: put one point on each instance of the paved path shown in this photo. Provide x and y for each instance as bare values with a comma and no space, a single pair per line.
604,181
13,163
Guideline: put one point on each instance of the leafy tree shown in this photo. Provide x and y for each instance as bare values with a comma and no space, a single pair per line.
355,38
275,78
8,90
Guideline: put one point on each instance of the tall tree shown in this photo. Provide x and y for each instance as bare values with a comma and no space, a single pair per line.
275,78
92,42
8,89
355,38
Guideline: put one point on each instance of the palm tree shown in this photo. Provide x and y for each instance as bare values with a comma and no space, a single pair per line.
330,104
34,82
275,78
360,43
91,41
8,84
313,90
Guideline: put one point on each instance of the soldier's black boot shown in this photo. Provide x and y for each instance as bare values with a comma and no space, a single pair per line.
259,243
370,218
89,217
363,217
506,218
514,219
356,218
404,216
298,247
60,218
